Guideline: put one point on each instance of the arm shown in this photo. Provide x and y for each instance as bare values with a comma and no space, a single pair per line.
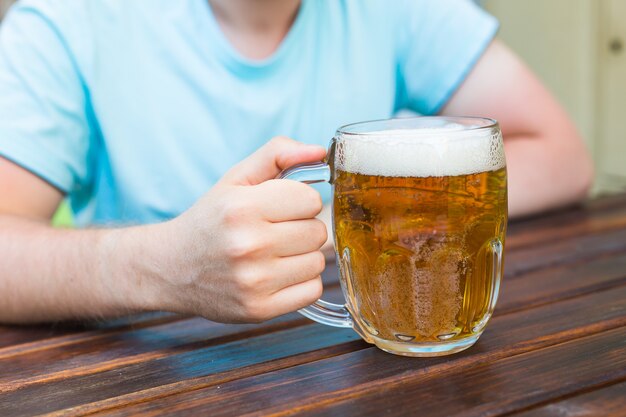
48,274
548,165
241,254
40,266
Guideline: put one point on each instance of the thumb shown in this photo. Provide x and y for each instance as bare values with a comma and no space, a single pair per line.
275,156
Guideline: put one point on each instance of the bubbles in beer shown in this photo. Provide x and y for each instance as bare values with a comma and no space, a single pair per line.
414,214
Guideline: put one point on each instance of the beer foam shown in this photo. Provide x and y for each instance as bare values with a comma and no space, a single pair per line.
436,152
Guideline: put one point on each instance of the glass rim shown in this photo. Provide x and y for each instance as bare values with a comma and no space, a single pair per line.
396,126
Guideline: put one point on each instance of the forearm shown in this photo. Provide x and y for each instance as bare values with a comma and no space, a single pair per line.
544,174
50,274
547,163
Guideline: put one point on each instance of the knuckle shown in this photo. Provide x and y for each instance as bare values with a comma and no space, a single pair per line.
243,245
247,283
279,141
255,312
235,210
239,248
281,187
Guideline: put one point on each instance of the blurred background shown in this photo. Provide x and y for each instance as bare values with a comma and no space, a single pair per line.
578,48
4,5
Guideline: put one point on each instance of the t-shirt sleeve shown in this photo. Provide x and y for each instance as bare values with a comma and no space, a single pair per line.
44,123
439,41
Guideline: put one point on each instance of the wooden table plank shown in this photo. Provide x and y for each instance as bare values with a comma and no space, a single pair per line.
505,336
481,387
497,388
595,216
216,361
561,282
607,401
573,250
121,349
60,332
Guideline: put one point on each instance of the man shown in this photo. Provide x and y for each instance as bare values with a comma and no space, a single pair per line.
137,111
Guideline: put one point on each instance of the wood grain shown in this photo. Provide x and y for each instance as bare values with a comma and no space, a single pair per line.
505,336
117,350
31,334
215,361
438,387
573,250
561,282
609,401
595,216
495,388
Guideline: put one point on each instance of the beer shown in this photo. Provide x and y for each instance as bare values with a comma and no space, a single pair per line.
419,217
419,227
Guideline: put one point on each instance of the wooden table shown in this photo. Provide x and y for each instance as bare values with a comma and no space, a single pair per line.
555,347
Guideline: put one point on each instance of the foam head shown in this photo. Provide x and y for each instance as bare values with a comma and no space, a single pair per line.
449,150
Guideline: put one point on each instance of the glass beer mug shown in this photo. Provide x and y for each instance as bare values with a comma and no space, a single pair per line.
419,219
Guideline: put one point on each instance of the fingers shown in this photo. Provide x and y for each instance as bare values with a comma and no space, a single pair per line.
298,237
281,286
260,279
292,270
283,200
276,240
296,296
276,155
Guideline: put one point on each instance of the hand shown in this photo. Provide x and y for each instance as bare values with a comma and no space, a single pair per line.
249,249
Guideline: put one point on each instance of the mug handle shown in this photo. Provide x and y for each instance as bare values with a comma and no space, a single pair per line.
321,311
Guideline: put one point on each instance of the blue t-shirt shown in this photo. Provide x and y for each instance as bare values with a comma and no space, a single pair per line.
136,108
